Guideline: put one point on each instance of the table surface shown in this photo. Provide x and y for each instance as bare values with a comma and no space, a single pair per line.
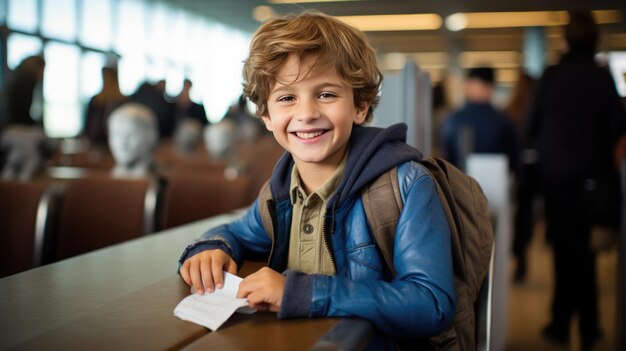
123,298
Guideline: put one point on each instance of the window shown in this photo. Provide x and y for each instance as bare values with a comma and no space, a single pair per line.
59,19
132,72
96,28
22,15
3,13
130,32
62,112
90,74
155,40
20,46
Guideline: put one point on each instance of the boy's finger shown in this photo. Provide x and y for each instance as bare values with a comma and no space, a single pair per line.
256,301
245,289
232,267
184,272
196,279
218,275
205,273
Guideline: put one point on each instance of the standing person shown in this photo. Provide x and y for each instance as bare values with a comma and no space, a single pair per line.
492,131
575,121
153,96
186,108
100,107
315,82
526,186
25,92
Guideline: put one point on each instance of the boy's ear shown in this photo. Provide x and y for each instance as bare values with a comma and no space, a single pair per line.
268,122
361,112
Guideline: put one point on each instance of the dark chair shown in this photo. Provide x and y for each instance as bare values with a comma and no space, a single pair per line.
98,212
27,214
86,159
191,196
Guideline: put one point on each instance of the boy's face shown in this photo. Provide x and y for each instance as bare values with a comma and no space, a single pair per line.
312,117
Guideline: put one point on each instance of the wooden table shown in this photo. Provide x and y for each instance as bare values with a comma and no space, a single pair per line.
123,298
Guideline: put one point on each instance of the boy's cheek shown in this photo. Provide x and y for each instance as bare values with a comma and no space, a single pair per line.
268,123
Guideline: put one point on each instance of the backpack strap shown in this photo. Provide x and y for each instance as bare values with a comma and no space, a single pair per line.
382,202
265,195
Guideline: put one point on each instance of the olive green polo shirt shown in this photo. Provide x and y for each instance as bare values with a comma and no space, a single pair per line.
308,252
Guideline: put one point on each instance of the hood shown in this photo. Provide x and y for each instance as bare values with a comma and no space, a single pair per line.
372,151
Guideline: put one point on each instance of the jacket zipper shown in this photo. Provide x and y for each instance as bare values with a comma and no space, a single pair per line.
326,233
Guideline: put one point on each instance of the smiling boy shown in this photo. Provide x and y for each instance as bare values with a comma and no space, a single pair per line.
315,82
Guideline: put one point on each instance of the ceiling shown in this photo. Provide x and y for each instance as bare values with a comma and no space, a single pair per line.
238,13
429,45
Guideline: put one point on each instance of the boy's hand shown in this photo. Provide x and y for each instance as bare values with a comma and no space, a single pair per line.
204,270
264,289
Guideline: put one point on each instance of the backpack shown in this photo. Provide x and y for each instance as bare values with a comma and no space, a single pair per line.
471,230
471,237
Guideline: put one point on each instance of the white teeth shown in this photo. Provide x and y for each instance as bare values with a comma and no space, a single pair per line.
309,135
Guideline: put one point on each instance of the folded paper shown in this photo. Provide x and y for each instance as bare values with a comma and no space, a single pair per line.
213,309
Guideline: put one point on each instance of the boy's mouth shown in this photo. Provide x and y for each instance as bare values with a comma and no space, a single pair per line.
306,135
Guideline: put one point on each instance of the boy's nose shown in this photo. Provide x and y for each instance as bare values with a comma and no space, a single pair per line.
307,111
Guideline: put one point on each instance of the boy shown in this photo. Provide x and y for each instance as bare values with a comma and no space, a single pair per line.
315,82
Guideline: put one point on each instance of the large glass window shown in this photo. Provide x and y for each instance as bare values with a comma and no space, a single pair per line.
3,13
60,88
131,72
20,46
90,74
155,40
96,28
59,19
159,34
221,74
174,77
131,27
22,15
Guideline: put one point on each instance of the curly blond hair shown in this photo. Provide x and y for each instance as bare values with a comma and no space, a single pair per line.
311,33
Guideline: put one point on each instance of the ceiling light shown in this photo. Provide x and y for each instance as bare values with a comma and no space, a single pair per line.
377,23
303,1
456,22
262,13
459,21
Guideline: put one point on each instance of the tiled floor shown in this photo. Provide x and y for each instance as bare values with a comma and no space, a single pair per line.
529,301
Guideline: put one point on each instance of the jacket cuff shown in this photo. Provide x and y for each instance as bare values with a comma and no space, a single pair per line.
297,296
200,246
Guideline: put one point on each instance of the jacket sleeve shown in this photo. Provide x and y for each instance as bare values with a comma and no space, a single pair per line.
419,301
241,239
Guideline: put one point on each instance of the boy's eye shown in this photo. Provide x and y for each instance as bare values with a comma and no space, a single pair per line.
327,95
285,98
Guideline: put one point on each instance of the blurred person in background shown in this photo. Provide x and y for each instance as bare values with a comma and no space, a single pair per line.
492,131
186,108
153,96
24,92
526,186
100,107
441,110
24,151
187,136
574,124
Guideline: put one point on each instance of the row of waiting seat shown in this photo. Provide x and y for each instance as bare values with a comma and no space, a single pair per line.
45,221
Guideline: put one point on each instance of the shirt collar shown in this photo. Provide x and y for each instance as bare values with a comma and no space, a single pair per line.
324,191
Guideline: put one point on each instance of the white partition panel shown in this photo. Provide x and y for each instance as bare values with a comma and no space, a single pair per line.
491,172
406,97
